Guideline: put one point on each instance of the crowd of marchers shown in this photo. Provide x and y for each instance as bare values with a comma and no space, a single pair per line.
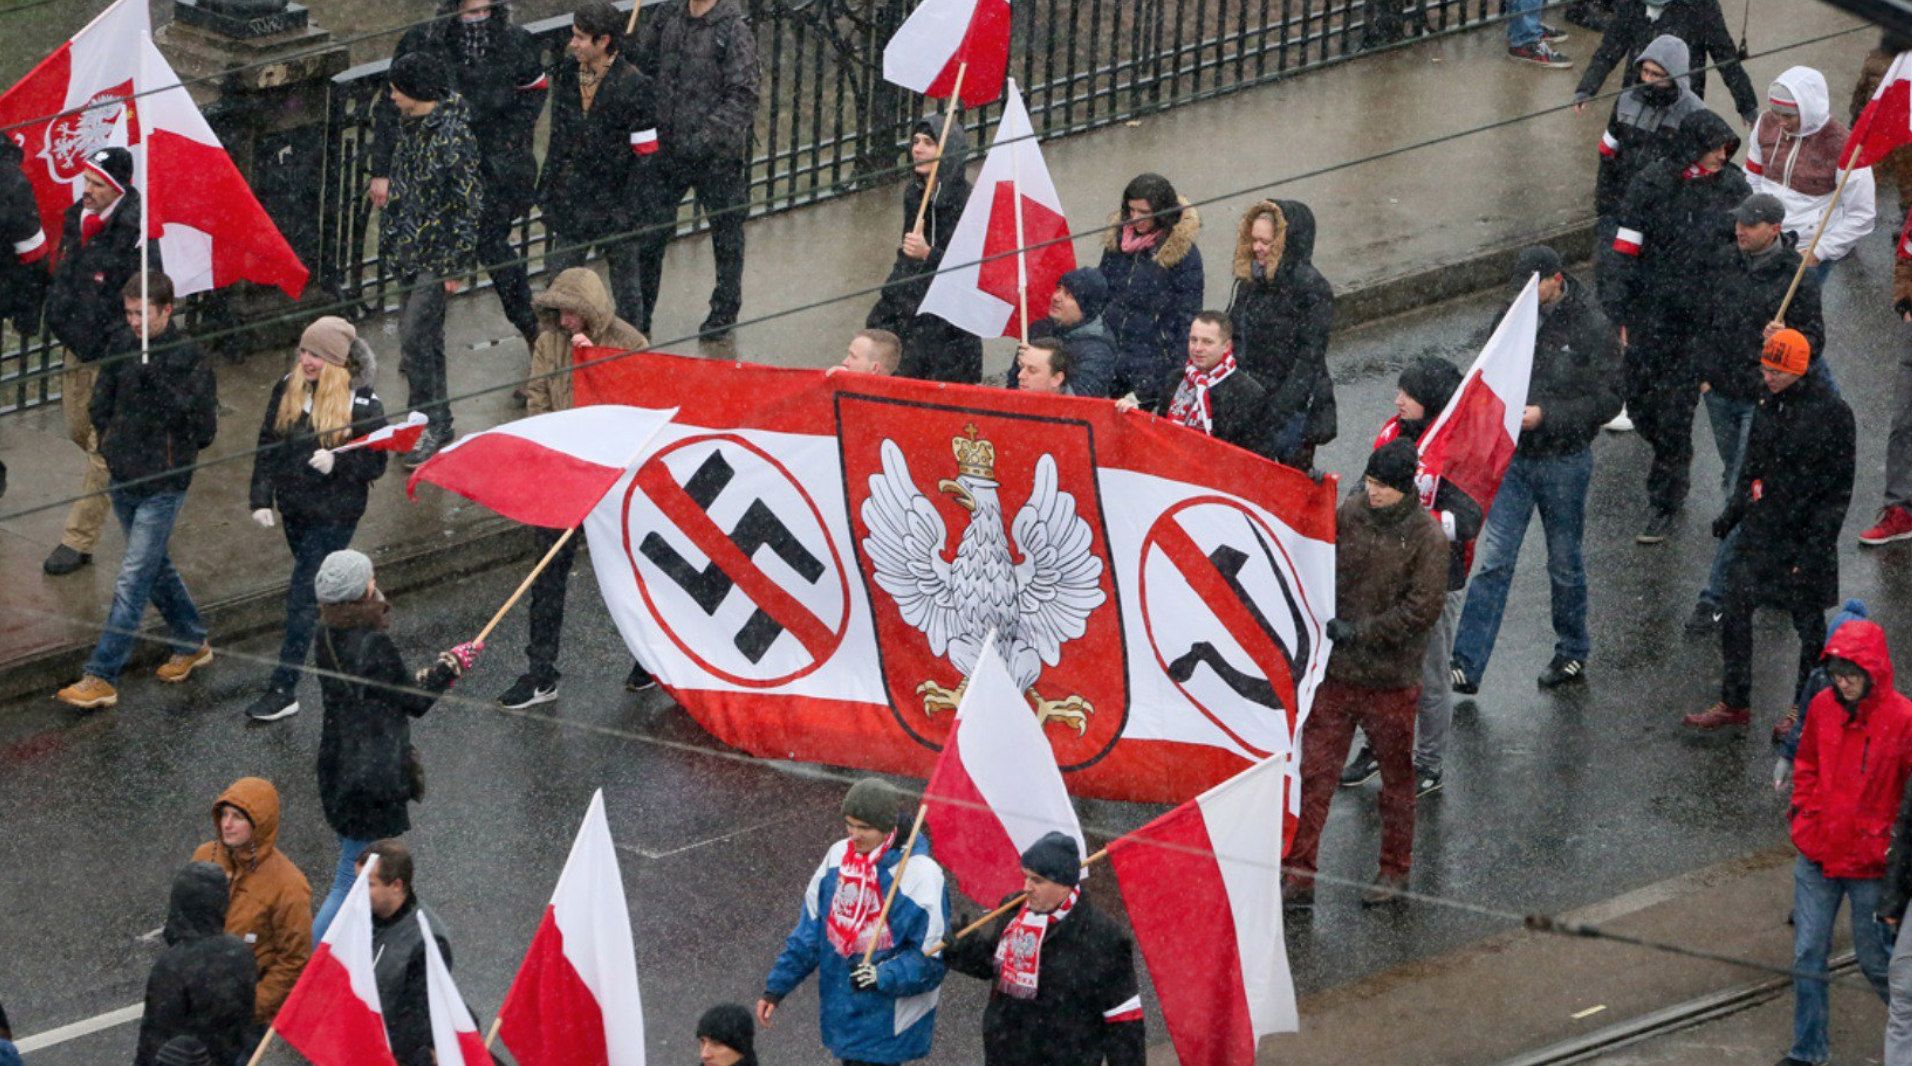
1705,291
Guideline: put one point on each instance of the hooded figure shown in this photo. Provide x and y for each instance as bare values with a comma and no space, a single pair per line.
1155,289
1699,23
1090,344
1283,310
202,984
1431,382
581,293
1645,122
270,904
933,349
1802,167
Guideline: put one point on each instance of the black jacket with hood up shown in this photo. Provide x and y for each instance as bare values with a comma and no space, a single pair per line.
282,474
1699,23
933,349
1675,232
1282,322
202,984
1642,128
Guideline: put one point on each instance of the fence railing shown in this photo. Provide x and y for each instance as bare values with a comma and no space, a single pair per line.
829,124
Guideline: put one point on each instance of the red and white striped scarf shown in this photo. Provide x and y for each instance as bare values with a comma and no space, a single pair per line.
1190,405
1019,952
857,901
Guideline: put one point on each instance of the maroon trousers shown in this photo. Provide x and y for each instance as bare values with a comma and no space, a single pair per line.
1386,715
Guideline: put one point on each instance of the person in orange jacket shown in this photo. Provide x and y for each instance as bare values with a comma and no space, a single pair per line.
271,901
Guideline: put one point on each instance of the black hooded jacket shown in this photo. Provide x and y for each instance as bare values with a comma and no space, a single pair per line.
933,349
1282,323
1745,295
202,984
1699,23
1675,231
1795,485
499,70
83,305
24,252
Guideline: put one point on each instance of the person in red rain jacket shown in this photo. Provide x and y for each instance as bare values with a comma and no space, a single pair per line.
1855,755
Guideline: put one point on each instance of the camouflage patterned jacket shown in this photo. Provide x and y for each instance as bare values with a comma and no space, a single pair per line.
430,223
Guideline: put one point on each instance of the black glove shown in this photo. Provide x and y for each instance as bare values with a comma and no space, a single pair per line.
1339,630
438,677
863,978
1722,526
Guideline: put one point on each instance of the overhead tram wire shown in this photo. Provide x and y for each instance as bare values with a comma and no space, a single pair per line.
305,313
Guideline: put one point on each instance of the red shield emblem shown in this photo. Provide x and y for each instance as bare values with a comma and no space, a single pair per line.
967,521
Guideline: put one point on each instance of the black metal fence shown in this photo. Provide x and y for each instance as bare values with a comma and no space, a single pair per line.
830,124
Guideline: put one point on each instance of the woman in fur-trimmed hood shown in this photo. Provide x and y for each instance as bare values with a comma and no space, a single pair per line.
1282,310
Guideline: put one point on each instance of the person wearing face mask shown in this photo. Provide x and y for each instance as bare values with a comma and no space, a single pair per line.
1645,122
1282,310
1793,154
933,348
368,771
1855,757
327,399
1699,23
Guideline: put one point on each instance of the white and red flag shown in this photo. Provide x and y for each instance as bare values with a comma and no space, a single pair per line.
944,38
574,1001
1886,122
547,470
1011,244
332,1016
396,437
811,563
996,788
455,1039
1472,441
1202,885
212,231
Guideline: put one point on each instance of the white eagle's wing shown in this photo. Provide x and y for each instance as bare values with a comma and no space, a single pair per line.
1059,580
905,547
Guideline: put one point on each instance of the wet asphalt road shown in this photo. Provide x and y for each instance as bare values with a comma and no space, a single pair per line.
1551,801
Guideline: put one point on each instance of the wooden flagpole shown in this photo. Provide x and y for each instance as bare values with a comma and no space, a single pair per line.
1779,317
1022,252
524,585
942,142
883,916
496,1024
145,245
630,26
1014,902
264,1043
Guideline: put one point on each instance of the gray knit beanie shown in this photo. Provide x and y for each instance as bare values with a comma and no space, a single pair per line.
343,577
872,801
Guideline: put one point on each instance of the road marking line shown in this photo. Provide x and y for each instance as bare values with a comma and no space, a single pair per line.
87,1027
1588,1013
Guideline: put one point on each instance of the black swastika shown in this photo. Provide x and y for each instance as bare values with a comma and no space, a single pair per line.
758,528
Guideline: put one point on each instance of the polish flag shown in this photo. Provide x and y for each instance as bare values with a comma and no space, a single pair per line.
397,437
455,1036
332,1016
1203,888
943,37
574,1001
982,291
1473,440
574,457
644,142
1886,122
996,788
212,231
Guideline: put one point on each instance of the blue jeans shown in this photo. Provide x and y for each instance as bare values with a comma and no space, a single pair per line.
146,575
1556,486
1815,906
310,545
1732,422
1523,23
342,878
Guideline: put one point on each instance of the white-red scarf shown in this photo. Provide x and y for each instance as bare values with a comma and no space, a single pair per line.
858,900
1019,952
1190,405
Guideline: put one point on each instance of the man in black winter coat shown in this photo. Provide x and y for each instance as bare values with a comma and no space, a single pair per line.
99,253
1745,297
1788,506
1283,310
202,984
703,55
398,948
1575,388
602,157
1213,395
1699,23
934,349
1075,319
1673,240
498,69
1063,989
24,248
155,411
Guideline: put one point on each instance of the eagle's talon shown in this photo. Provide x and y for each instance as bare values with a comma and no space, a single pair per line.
937,699
1072,712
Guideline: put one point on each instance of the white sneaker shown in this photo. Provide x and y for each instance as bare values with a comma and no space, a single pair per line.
1621,423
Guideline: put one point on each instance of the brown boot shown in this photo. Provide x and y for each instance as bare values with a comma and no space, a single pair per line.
1719,716
89,693
181,665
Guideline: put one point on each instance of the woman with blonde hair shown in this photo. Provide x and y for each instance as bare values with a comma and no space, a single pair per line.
326,400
